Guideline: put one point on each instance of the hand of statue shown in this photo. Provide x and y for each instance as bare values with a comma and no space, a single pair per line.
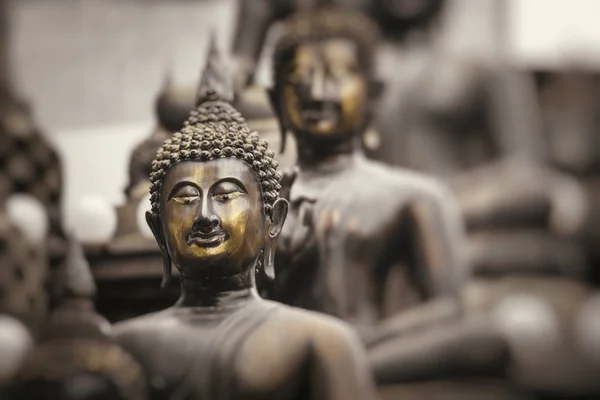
531,211
517,195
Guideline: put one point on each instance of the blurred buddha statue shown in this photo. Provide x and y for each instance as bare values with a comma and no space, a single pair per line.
54,294
570,104
529,310
216,215
363,240
23,298
522,333
31,191
74,357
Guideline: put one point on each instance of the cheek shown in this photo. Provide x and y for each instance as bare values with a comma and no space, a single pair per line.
245,227
178,221
291,106
353,94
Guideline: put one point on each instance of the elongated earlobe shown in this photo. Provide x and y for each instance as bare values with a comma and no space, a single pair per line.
274,227
156,228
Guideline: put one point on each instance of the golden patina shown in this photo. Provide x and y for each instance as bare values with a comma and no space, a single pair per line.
325,89
212,213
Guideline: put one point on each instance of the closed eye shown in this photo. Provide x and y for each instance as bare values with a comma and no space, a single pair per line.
225,197
185,193
185,199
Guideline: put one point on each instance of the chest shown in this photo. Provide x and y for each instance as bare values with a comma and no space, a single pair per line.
240,358
359,208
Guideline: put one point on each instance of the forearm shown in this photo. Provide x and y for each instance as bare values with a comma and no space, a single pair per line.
455,349
441,263
417,319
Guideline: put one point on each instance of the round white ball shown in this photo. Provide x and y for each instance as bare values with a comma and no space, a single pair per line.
15,342
29,215
94,220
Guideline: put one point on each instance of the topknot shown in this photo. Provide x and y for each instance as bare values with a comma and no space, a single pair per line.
216,130
326,23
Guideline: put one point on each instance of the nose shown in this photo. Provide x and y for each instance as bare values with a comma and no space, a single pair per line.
206,223
317,85
323,85
206,220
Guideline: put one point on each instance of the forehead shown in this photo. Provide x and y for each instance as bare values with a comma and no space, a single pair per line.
207,173
328,50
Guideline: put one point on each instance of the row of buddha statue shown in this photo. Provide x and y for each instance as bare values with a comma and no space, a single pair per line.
414,243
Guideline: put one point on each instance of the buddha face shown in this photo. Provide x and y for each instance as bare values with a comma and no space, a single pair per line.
324,92
213,218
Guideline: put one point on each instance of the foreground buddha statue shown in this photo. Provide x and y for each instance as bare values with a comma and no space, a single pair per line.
363,240
216,215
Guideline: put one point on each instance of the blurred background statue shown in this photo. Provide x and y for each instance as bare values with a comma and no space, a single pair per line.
363,240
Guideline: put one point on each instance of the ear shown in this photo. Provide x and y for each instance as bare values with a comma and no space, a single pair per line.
273,94
278,215
153,222
274,226
156,228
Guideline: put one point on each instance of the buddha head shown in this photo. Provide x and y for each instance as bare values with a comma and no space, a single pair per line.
215,190
323,75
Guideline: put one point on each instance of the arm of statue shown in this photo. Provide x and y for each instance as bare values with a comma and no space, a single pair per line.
339,366
519,205
458,348
512,112
254,20
437,265
438,242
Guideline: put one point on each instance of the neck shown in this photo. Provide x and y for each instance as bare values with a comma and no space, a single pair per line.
314,155
216,293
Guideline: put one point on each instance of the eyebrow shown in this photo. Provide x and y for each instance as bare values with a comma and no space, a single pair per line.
235,181
179,185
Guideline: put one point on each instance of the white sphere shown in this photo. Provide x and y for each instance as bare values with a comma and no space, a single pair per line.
144,206
94,220
527,321
29,215
15,342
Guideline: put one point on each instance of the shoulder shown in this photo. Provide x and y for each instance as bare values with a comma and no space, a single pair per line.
317,327
133,328
407,180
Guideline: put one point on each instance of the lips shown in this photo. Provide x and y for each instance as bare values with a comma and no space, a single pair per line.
206,239
315,112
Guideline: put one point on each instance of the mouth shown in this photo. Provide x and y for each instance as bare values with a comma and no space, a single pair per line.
206,239
315,113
